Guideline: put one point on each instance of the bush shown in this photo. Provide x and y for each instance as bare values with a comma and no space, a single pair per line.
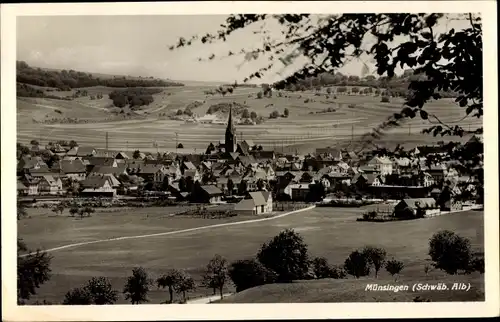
450,252
274,115
249,273
394,267
357,264
385,99
477,264
287,255
322,269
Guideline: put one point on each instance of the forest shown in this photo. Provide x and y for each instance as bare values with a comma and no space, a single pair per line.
66,80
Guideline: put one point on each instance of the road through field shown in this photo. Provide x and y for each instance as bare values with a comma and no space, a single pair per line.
175,232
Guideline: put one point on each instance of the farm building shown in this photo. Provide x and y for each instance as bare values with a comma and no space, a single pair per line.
257,202
416,208
210,194
97,187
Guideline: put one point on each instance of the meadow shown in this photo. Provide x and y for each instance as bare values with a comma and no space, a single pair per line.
330,232
303,131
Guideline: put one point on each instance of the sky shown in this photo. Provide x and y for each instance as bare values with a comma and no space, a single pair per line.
138,46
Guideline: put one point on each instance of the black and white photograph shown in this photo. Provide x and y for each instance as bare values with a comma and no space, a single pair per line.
289,155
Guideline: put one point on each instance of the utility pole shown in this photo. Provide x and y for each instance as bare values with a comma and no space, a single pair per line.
176,140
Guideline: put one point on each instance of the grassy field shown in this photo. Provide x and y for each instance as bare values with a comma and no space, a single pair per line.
329,232
354,290
300,131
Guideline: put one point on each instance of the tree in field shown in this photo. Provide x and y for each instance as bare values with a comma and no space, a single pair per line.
450,252
394,267
286,112
77,296
249,273
274,115
322,269
355,90
184,285
179,112
101,291
86,211
259,95
169,281
34,142
137,154
242,188
357,264
216,274
33,270
137,287
245,114
287,255
446,62
73,210
376,256
180,146
253,115
230,186
97,291
385,99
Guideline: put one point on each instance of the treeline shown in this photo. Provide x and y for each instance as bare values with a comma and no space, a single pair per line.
133,97
395,86
23,90
66,80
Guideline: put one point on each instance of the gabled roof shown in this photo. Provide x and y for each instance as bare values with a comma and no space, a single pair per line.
420,203
50,179
211,190
121,155
109,170
94,182
85,151
190,173
100,161
21,186
189,165
245,204
150,168
258,198
72,166
111,178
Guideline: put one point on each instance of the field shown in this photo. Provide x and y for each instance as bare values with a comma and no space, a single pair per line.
329,232
301,131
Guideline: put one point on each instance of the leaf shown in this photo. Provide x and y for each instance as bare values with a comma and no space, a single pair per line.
423,114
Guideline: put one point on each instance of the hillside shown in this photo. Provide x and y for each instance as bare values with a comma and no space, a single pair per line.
353,290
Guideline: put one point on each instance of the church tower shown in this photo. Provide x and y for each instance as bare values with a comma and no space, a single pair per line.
230,142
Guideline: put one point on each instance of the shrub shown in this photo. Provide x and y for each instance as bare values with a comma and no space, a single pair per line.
322,269
77,296
287,255
274,115
357,264
385,99
450,252
394,267
250,273
477,264
137,287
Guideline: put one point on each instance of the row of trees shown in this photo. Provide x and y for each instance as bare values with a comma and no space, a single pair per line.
283,259
66,80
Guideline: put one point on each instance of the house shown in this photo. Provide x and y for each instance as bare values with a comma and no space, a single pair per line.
330,152
74,169
97,186
50,185
416,208
210,194
297,191
117,171
193,173
113,181
22,190
28,162
381,164
257,202
150,172
41,171
438,172
81,152
31,183
187,165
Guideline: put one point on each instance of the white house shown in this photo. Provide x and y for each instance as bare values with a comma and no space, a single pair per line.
382,165
258,202
50,185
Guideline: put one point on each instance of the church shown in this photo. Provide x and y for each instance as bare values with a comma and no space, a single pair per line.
230,148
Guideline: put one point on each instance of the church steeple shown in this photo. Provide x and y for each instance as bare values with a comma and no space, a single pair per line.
230,142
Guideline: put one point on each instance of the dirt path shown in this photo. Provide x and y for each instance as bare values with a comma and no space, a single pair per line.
208,299
175,232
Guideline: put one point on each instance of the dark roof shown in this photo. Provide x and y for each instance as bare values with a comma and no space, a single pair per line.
72,166
150,168
100,161
190,173
263,155
85,151
94,182
109,170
